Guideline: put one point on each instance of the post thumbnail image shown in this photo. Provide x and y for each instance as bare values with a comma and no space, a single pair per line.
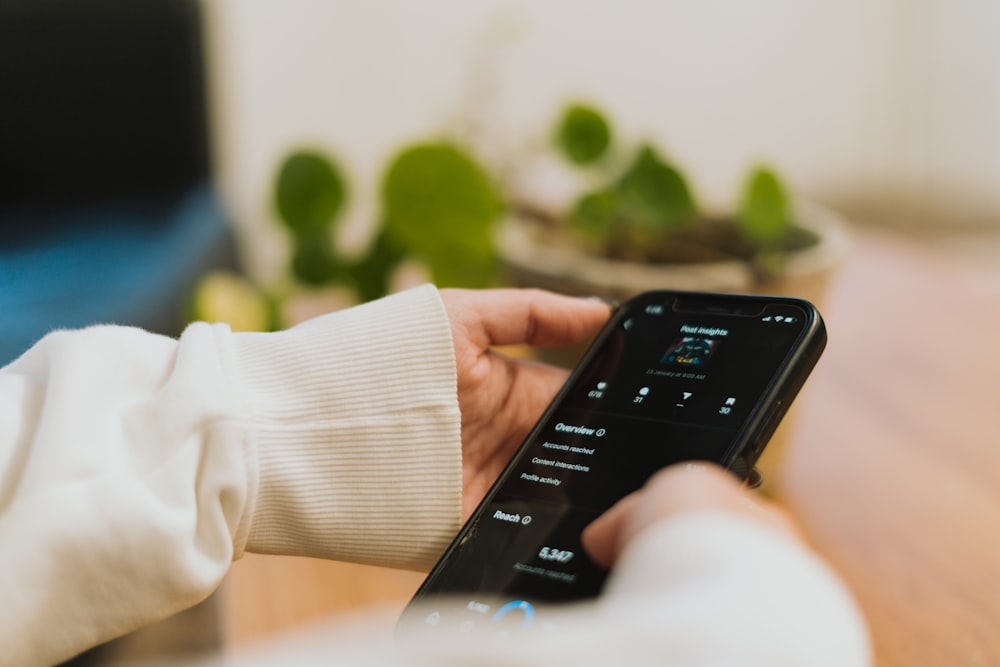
690,351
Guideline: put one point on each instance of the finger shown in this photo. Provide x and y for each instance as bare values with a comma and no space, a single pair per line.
535,383
703,486
528,316
601,538
691,486
531,388
677,489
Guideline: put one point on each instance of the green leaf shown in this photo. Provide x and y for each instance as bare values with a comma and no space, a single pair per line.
654,195
440,207
593,215
583,134
313,260
463,262
371,274
763,214
309,193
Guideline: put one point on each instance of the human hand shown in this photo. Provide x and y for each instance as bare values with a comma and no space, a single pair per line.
502,397
685,486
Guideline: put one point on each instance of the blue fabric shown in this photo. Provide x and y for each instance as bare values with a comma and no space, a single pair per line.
110,265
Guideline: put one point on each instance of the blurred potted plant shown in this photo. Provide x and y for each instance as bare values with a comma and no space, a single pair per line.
629,225
438,209
634,225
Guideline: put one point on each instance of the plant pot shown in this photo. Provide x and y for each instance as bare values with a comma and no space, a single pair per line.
531,262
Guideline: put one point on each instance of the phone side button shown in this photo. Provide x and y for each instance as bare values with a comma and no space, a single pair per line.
740,468
770,424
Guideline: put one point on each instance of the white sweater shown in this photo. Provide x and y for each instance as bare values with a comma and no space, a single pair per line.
134,468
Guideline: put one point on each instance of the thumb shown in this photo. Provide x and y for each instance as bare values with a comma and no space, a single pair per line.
679,488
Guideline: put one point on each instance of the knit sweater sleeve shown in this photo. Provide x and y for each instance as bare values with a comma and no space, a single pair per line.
134,467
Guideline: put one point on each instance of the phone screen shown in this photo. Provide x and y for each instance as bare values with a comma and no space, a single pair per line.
672,377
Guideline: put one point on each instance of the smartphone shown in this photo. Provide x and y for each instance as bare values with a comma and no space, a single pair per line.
673,376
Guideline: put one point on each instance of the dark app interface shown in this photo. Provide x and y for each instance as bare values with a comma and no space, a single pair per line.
667,386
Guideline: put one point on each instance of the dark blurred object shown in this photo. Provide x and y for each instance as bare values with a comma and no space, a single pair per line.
106,208
107,213
103,100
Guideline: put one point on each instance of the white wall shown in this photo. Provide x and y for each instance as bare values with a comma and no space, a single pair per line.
887,108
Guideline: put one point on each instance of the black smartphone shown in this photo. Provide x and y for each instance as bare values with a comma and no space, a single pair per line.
673,376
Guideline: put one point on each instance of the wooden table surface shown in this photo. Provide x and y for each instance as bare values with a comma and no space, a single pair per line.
893,467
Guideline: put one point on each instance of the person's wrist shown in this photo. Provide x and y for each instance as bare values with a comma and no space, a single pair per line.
356,430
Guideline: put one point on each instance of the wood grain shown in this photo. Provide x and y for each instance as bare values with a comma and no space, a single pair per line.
265,595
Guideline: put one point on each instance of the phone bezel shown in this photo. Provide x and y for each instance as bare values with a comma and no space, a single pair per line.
775,399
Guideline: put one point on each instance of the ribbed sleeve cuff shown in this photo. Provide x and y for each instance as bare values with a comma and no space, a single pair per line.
356,433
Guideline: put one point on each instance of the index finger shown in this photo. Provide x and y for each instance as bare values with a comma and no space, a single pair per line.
525,316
